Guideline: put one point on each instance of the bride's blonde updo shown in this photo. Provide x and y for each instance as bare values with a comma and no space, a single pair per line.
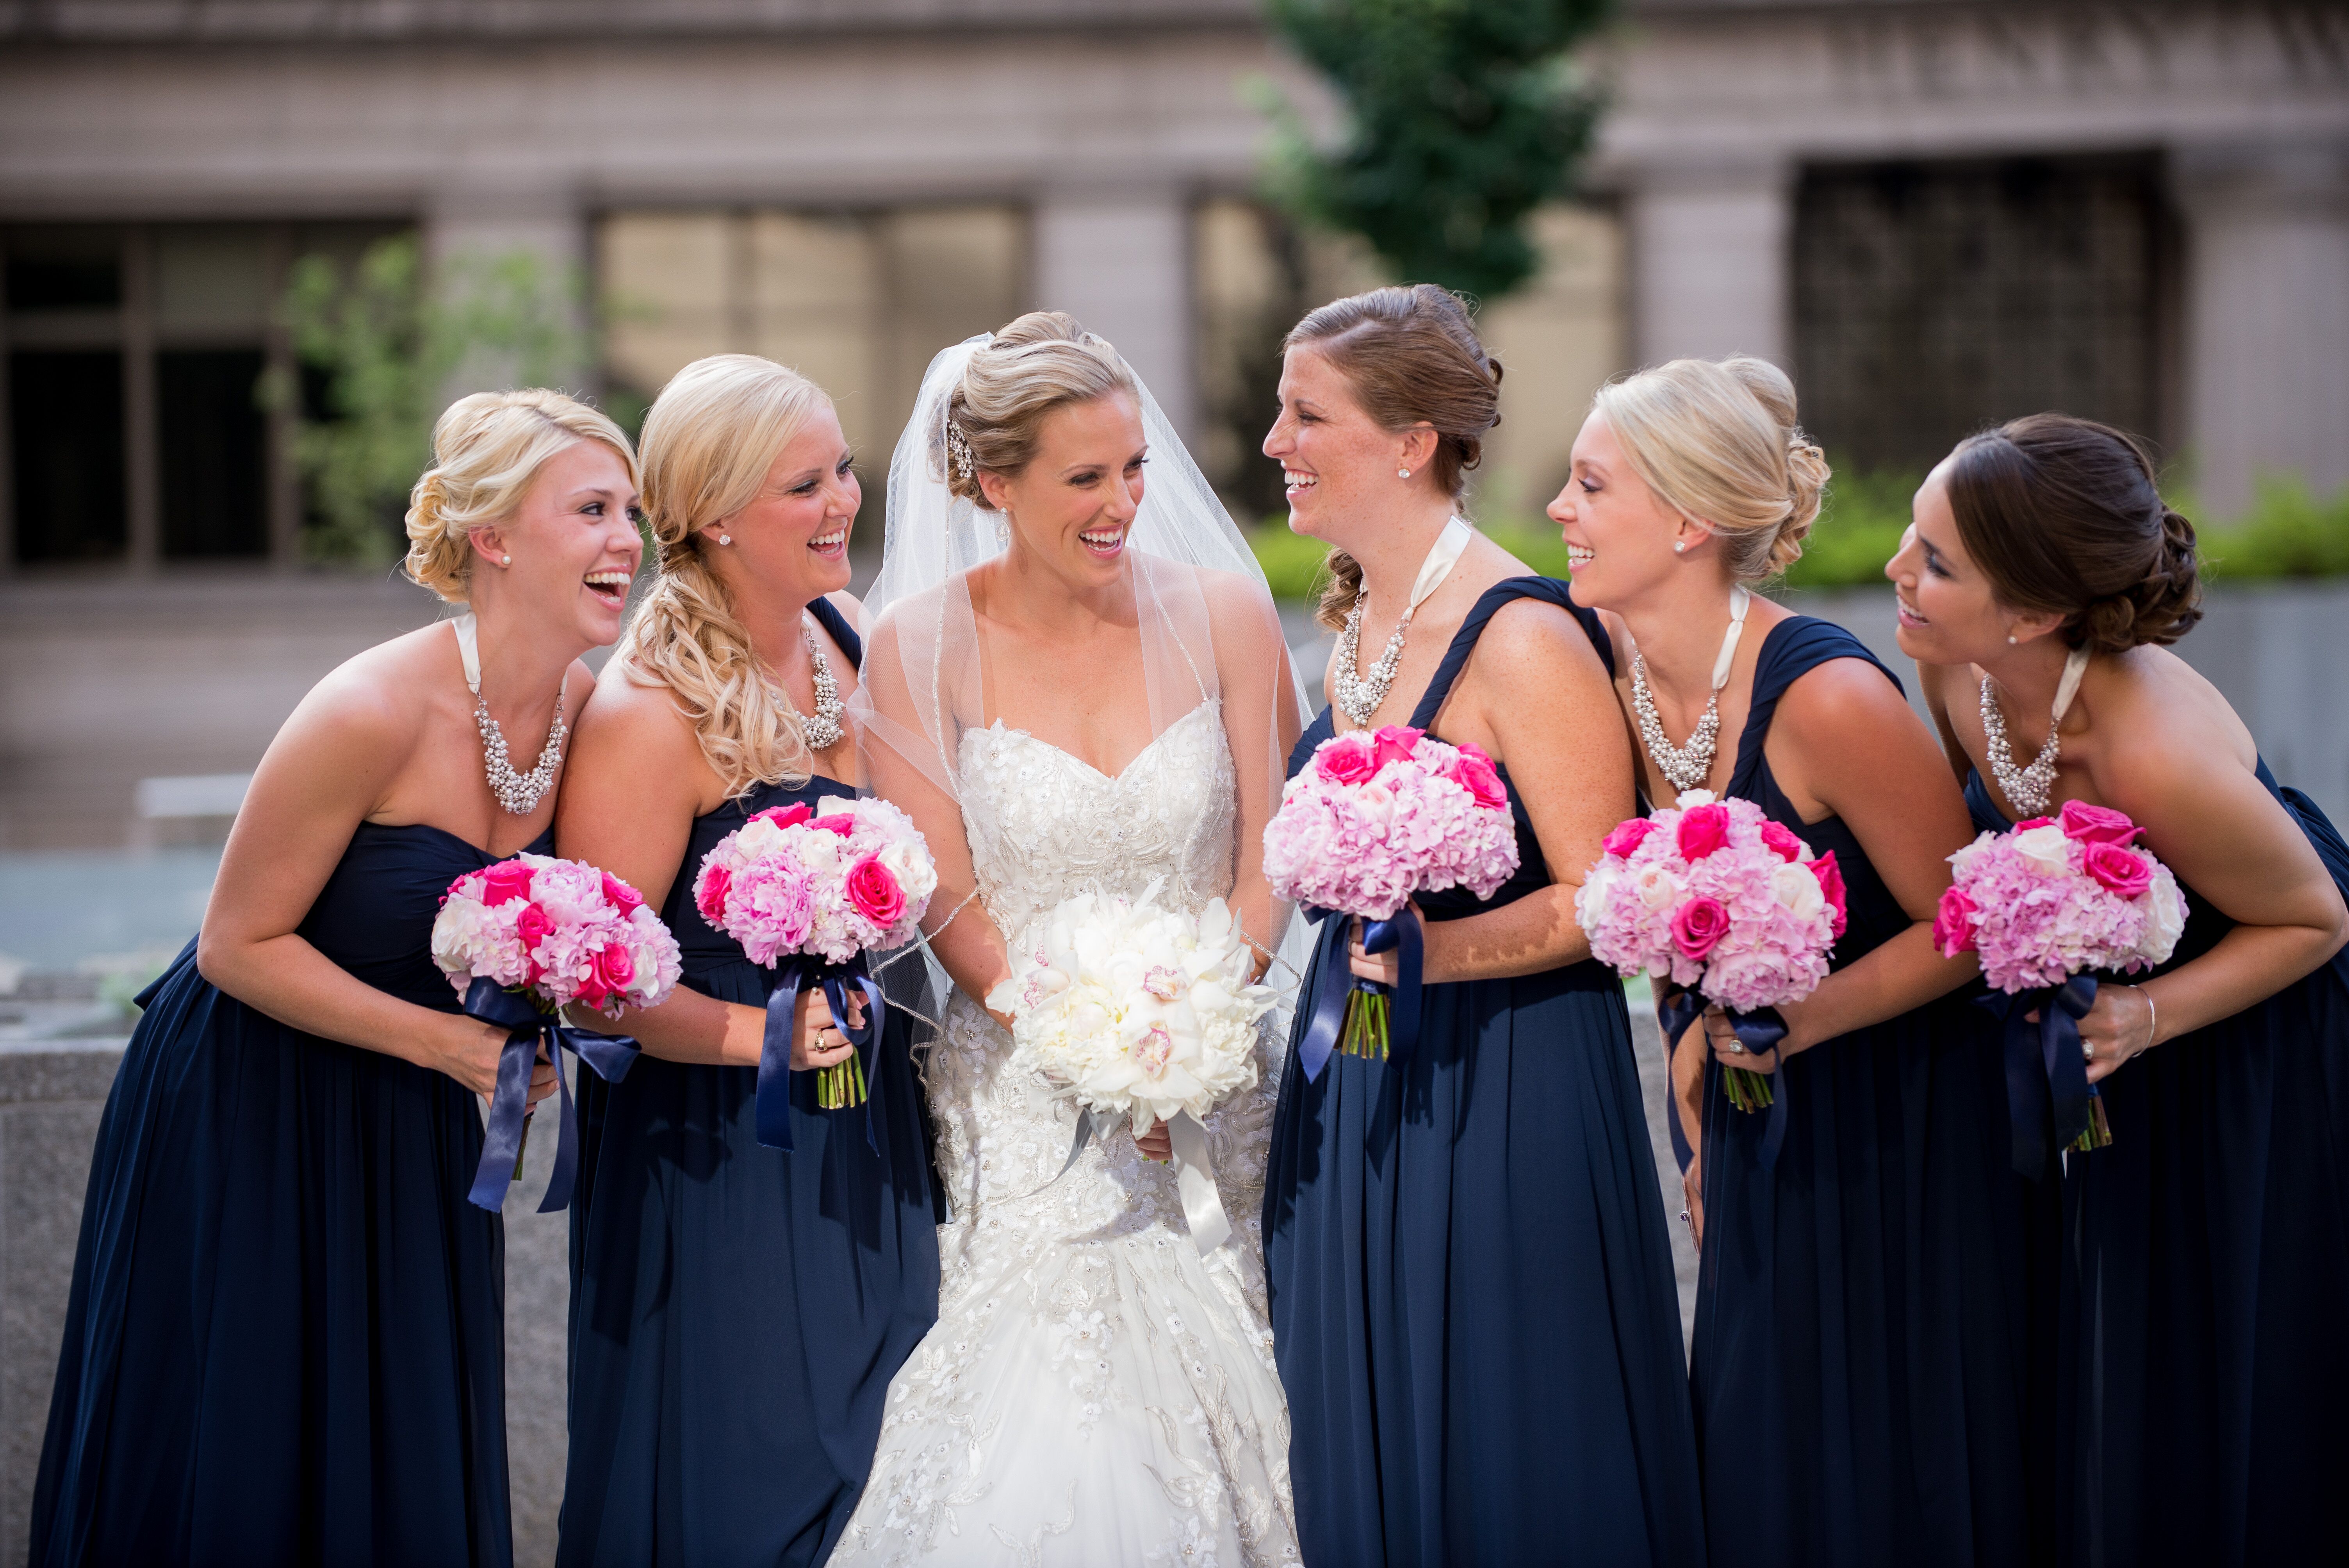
710,438
487,451
1043,361
1717,441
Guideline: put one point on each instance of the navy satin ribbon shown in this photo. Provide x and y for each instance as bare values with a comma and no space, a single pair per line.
773,1108
1758,1031
2044,1065
530,1032
1339,981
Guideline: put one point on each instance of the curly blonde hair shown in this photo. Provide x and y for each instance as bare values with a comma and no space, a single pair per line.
708,441
1716,441
487,451
1043,361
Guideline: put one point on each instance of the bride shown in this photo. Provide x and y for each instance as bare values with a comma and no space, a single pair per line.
1072,689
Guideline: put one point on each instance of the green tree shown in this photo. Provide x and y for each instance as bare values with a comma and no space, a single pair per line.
382,348
1465,115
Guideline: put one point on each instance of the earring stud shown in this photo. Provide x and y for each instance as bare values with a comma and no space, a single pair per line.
1679,545
1403,473
2010,638
725,539
508,561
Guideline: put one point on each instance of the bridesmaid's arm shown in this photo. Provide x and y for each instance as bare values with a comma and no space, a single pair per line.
1535,685
328,770
1845,744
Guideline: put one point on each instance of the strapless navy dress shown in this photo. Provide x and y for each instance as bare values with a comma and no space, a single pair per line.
1874,1354
286,1338
2208,1247
737,1311
1472,1303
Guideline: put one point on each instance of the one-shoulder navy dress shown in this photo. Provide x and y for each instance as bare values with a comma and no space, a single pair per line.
285,1339
2210,1245
1472,1303
1874,1354
737,1311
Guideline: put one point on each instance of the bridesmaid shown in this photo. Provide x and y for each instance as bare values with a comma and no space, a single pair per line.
1472,1286
1866,1385
286,1340
2212,1236
737,1311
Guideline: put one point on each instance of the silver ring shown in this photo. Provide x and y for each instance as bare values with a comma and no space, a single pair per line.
1737,1047
2087,1052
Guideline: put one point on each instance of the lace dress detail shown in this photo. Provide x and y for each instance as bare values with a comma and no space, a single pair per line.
1095,1390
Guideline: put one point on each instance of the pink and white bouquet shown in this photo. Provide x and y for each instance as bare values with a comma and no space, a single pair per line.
1716,898
826,885
1373,819
2050,900
521,941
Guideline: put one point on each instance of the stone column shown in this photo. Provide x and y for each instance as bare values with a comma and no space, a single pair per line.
1121,263
1709,259
2267,317
469,228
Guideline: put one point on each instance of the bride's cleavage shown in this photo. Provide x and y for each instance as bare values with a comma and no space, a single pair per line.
1008,731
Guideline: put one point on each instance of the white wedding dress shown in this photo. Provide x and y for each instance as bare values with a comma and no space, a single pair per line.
1094,1392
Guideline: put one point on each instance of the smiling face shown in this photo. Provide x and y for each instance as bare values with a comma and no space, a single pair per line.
573,542
1339,463
1071,509
1618,536
1949,615
791,539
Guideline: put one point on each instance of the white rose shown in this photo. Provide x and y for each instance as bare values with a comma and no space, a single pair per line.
833,805
1798,888
1657,887
1595,886
1689,798
2164,917
2045,850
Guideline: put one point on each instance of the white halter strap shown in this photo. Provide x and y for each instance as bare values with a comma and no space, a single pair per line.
468,648
2076,665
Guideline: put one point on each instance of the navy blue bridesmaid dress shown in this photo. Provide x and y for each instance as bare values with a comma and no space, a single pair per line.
2208,1247
1473,1302
286,1338
737,1311
1875,1357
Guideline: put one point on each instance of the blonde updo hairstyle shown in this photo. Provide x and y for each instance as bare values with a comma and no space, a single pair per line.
709,439
1716,441
487,451
1412,355
994,414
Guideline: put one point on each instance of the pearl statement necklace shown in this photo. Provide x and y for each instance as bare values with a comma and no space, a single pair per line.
518,793
2027,789
822,729
1687,767
1358,696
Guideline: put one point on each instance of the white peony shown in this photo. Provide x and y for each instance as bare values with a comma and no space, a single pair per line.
1796,887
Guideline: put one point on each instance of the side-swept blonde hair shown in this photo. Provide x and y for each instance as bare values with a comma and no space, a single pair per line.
486,451
1716,441
708,441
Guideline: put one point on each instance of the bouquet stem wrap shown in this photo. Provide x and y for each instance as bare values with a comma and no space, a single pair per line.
773,1110
2044,1065
1195,1176
531,1030
1759,1032
1356,1012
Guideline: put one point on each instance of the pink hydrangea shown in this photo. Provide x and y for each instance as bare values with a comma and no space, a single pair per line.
564,930
2049,899
849,876
1377,818
1716,897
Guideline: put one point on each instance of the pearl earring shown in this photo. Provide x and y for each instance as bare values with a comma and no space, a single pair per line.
2010,638
1403,473
1679,545
725,539
508,561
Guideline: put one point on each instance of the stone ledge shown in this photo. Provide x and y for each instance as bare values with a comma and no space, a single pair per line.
34,1072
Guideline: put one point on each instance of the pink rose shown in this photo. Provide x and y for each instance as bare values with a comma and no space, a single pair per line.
709,898
1953,927
1698,925
1780,838
790,816
1628,837
1473,771
839,822
1830,877
592,992
2097,824
875,891
614,968
2035,822
2116,870
1394,743
1347,763
532,927
507,880
1703,829
621,896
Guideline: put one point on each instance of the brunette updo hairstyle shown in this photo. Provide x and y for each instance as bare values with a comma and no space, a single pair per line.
1412,355
487,451
1043,361
2063,517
